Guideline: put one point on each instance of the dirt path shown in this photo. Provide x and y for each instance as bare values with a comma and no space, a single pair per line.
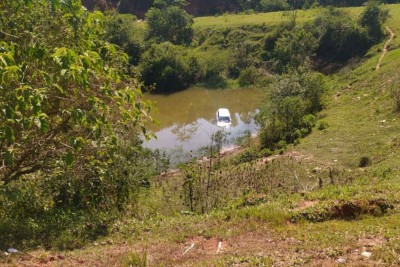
253,248
384,51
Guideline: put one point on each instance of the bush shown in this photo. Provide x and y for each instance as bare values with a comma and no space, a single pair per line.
308,122
248,76
265,152
322,125
274,5
293,49
289,111
340,36
169,24
246,156
123,30
212,68
372,18
136,259
165,66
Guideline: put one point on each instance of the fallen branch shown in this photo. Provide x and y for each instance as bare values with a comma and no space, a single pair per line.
9,34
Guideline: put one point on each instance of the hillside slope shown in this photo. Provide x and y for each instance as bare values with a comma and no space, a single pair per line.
353,221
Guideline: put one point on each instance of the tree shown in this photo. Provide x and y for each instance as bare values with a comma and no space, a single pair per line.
294,49
373,17
123,30
168,22
340,37
274,5
250,5
164,66
289,112
64,94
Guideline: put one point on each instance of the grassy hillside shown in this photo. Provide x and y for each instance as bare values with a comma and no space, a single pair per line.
272,18
324,211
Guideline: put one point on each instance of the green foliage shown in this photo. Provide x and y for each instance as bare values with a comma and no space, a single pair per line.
162,4
288,114
247,155
245,54
344,210
373,17
123,30
293,49
212,71
63,94
247,5
249,76
274,5
29,218
136,259
322,125
340,36
169,23
65,101
166,66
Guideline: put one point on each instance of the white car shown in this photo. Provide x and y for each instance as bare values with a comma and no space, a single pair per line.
223,117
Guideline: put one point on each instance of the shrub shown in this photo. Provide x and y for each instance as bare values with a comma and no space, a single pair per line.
340,36
248,76
293,49
274,5
246,156
169,23
289,111
136,259
211,70
265,152
372,18
123,30
322,125
165,66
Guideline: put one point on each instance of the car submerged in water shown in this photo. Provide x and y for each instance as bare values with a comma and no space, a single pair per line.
223,117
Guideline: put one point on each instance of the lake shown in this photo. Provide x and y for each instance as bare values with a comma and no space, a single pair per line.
188,121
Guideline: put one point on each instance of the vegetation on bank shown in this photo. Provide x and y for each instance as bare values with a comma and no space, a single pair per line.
172,53
68,111
218,7
78,95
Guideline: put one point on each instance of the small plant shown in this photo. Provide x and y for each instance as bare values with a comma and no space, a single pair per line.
136,259
248,76
265,152
364,162
246,156
322,125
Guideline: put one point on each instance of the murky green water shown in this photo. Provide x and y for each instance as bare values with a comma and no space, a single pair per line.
187,118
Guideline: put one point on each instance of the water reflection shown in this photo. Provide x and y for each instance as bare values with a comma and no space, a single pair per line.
187,119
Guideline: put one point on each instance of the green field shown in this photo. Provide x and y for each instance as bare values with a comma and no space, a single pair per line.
272,18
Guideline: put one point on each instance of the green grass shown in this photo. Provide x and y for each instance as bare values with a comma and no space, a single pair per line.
360,114
361,121
259,19
274,18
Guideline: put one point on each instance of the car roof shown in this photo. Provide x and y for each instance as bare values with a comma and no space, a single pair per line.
224,112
